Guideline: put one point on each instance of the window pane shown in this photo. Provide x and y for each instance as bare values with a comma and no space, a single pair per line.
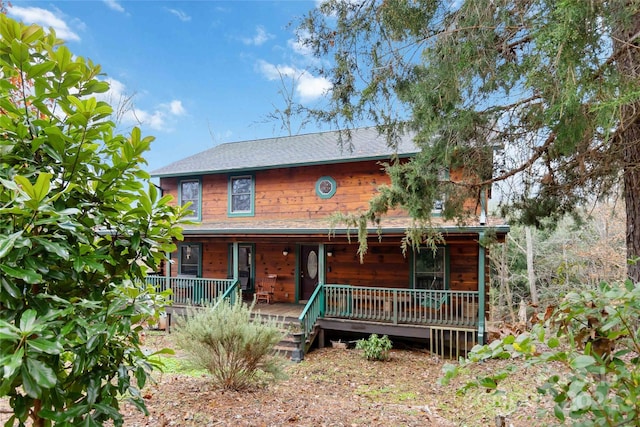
241,203
189,260
241,186
430,269
190,192
241,194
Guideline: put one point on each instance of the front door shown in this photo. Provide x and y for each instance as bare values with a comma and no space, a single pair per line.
244,267
308,270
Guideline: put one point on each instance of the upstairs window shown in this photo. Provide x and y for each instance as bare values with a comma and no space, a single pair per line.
189,190
241,195
325,187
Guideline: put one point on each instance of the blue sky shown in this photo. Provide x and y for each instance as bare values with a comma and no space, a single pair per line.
200,72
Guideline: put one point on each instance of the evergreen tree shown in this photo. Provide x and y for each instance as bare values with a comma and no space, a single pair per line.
551,86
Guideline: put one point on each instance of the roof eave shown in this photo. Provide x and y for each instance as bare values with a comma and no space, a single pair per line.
279,166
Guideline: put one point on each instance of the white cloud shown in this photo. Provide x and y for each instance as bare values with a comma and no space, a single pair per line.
176,108
307,86
46,19
156,120
259,38
160,118
114,5
180,14
310,87
298,47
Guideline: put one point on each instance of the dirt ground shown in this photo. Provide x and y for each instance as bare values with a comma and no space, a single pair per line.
338,387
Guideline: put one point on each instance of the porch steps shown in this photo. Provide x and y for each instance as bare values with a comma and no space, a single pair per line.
287,347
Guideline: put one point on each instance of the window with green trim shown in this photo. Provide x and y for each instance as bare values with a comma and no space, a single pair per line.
190,259
241,195
189,190
430,269
326,187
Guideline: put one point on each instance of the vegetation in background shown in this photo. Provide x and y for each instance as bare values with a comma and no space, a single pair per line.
79,226
235,348
539,99
572,256
594,336
375,347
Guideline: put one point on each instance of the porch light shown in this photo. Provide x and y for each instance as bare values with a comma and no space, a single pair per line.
329,252
285,251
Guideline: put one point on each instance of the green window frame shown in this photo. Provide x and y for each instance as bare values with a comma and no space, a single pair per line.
190,259
326,187
431,268
190,190
241,195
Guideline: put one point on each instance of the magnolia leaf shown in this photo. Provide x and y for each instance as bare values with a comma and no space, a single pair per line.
53,247
28,320
42,186
14,363
42,374
46,346
40,69
30,384
31,33
7,242
28,276
10,288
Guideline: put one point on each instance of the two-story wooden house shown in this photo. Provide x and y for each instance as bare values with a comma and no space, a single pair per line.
261,209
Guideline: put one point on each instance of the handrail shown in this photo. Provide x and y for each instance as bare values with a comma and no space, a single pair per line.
232,293
402,306
313,310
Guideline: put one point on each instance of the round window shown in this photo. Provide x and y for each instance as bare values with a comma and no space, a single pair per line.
325,187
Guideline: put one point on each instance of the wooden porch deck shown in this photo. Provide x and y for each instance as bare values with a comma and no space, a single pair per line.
444,317
280,309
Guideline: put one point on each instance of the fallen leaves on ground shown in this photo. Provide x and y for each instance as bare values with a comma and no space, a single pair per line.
338,387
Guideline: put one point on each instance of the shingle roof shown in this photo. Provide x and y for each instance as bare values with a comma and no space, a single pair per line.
308,149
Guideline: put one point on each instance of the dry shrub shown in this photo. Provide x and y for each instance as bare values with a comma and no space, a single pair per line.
235,348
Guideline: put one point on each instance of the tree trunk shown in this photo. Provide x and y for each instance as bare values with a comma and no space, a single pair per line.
531,275
628,65
632,203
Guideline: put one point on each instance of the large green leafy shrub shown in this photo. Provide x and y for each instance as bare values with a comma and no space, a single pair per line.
79,226
594,337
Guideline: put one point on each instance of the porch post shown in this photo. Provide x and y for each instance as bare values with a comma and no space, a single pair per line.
321,264
235,260
481,289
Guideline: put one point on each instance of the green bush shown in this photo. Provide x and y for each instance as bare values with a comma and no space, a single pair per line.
375,348
595,336
236,349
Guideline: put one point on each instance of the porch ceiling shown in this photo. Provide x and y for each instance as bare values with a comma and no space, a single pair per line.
322,227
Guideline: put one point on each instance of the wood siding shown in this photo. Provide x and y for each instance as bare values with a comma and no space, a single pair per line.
290,193
384,266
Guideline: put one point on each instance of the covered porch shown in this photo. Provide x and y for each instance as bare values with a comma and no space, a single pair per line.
410,313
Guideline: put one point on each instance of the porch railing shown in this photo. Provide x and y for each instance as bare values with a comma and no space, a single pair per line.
402,306
192,290
312,311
